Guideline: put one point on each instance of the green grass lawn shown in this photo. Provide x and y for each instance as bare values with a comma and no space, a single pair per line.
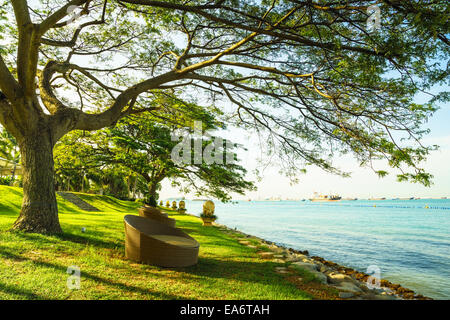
34,266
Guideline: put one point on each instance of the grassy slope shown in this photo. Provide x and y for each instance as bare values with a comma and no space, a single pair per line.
34,266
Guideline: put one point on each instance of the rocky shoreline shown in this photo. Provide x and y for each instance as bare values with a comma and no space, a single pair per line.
350,283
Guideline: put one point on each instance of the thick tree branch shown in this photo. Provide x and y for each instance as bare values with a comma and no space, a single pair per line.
85,121
53,19
8,85
51,102
26,51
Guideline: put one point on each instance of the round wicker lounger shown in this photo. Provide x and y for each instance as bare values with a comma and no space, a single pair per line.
155,214
155,243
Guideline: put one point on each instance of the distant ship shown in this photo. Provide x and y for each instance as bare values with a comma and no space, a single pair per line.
321,197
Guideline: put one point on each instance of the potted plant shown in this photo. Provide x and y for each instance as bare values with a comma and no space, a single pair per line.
182,207
208,216
208,219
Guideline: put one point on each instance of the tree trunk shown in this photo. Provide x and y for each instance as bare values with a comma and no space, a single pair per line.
13,175
39,208
152,189
134,187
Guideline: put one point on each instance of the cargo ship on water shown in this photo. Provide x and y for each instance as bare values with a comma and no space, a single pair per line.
320,197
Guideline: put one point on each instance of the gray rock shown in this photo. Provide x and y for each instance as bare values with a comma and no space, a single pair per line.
323,269
374,296
320,277
346,295
348,286
368,296
387,291
292,258
385,297
336,277
306,265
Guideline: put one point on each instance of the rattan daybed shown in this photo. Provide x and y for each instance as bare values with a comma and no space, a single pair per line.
155,214
155,243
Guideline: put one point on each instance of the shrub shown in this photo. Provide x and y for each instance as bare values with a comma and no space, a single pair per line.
151,201
208,216
6,181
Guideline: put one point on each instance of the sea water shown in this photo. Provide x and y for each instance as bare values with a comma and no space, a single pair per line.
408,240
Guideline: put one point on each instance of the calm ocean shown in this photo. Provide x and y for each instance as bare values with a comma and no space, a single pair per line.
407,241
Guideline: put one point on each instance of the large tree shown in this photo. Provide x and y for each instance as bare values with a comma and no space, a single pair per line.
309,72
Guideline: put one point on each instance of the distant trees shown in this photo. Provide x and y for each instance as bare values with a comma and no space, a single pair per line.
9,151
75,171
309,74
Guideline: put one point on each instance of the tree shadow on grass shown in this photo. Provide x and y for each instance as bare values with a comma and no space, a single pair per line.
6,254
10,209
207,268
234,266
68,208
29,295
15,191
227,267
210,268
57,238
86,275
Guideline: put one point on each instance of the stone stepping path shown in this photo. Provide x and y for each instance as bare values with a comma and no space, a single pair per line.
80,203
